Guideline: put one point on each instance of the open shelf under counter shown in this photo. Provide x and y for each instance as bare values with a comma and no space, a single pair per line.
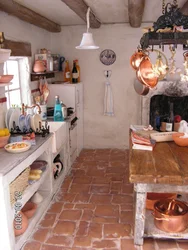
31,189
57,182
152,231
33,222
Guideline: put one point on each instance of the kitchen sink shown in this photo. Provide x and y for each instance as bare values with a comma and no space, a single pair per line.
59,130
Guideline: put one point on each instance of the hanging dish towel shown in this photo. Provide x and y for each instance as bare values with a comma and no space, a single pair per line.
108,100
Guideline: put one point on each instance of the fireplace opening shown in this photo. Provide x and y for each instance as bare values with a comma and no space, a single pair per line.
160,106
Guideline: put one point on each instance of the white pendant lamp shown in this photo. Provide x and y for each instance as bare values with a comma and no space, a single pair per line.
87,39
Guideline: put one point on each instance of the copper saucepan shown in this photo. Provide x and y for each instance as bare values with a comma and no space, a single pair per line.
171,215
136,59
146,73
140,88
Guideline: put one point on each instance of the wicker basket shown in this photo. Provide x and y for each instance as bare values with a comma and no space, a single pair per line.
19,184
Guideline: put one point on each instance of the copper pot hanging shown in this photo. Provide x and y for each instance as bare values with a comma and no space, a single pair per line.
146,73
171,215
136,59
140,88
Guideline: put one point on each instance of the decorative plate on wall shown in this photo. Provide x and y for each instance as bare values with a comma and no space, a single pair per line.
107,57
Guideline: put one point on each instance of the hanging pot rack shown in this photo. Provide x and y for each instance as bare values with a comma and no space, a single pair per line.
171,18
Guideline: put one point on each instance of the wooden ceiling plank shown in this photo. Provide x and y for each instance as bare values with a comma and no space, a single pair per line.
80,8
18,48
28,15
136,10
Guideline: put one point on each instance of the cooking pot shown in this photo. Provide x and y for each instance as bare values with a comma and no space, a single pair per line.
136,59
140,88
39,66
146,73
171,215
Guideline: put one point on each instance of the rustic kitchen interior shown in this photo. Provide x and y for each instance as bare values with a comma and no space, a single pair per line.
93,124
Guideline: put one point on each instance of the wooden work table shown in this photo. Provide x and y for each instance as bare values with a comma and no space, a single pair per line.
163,170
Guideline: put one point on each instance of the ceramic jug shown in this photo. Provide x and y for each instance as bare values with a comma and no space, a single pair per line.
39,66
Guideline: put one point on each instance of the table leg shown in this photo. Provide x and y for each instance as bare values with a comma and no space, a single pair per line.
139,218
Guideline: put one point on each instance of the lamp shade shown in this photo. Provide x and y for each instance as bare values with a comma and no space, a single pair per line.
87,42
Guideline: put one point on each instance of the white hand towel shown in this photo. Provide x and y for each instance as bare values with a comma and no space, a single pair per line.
108,100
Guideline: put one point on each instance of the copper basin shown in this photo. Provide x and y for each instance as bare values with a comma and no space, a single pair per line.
146,73
171,215
136,58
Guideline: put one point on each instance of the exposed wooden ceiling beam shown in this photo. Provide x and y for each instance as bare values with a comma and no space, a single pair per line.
184,9
80,8
28,15
136,10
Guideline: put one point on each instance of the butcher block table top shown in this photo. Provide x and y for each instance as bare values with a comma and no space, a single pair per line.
166,164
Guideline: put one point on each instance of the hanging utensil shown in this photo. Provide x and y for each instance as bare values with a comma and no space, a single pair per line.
136,58
140,88
147,74
45,95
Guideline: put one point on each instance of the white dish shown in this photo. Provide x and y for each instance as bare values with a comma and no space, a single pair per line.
37,121
28,122
14,118
32,123
16,147
22,123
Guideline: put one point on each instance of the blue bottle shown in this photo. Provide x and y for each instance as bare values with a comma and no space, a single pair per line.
58,116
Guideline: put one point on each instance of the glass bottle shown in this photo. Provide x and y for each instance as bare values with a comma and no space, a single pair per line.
58,116
78,69
170,120
49,61
74,73
67,75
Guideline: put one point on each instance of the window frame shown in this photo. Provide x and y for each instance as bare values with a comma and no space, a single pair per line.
7,88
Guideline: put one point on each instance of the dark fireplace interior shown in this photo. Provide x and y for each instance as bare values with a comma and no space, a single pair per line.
160,106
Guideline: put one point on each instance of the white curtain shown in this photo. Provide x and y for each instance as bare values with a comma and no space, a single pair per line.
25,65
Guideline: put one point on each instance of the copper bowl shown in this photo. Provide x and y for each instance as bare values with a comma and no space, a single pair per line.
136,59
183,142
171,215
152,198
146,73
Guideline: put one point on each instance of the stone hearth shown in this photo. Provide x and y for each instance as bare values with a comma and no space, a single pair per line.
174,90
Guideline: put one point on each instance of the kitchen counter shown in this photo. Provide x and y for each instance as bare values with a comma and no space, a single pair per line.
10,160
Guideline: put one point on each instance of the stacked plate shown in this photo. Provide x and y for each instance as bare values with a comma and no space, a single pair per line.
14,119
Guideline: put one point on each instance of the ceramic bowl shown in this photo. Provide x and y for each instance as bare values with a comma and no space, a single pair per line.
6,78
29,209
183,142
37,198
20,229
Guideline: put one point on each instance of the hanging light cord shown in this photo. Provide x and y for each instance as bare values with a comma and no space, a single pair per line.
87,19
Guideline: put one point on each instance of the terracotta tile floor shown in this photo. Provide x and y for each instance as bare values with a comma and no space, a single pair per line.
94,208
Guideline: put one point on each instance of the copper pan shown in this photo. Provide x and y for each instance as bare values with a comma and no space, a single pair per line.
141,88
146,73
171,215
136,58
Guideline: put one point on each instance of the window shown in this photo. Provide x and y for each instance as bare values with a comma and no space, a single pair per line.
19,91
13,91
